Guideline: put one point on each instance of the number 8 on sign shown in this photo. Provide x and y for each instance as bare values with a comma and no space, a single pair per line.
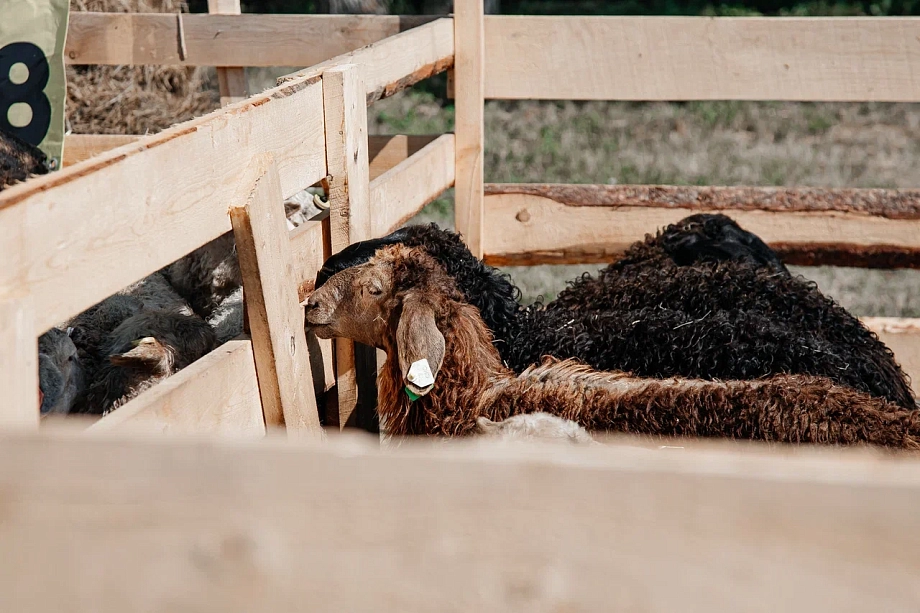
28,91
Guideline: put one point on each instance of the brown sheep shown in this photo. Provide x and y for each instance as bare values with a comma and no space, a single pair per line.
403,302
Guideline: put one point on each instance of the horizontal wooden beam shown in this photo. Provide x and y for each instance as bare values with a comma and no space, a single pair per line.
384,151
176,524
395,63
567,224
703,58
224,40
99,225
216,395
400,193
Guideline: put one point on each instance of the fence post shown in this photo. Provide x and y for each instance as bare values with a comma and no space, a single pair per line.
469,92
232,81
18,365
279,342
345,109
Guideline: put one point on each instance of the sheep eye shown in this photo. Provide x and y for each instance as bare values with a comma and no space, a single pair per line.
373,290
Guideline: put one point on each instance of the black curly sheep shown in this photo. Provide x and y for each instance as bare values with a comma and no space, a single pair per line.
703,298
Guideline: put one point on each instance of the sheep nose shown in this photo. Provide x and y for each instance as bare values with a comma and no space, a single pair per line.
310,303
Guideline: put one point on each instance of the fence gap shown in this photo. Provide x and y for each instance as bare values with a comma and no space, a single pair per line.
232,80
275,315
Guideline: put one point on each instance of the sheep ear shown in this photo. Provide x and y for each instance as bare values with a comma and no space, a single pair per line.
146,352
420,346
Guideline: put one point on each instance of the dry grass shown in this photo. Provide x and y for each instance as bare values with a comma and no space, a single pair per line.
135,99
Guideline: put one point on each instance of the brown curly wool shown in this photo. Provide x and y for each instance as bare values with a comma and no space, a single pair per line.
386,302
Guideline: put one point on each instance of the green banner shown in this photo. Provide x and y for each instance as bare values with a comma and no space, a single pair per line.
33,87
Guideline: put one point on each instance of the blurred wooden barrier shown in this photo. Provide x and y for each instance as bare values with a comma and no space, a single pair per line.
194,526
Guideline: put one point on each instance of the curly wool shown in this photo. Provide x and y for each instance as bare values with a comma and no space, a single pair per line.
636,315
472,383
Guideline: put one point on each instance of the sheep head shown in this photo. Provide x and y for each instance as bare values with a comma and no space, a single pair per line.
397,301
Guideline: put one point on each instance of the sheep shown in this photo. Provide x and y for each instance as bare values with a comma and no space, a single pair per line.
404,302
142,351
60,372
19,160
133,339
533,426
208,275
732,311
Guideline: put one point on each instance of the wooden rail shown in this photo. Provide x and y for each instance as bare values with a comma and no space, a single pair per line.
566,224
703,58
222,526
224,40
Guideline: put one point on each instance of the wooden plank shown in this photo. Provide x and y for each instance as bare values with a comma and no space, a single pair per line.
231,80
275,317
703,58
469,77
385,152
224,40
397,62
350,215
192,526
217,395
400,193
307,257
111,220
539,229
79,147
902,335
18,365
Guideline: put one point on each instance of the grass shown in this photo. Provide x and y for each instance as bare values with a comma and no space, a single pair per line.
694,143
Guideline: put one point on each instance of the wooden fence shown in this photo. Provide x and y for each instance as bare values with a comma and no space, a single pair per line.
242,526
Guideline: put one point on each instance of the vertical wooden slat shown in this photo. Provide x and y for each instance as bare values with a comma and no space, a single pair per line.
469,92
18,366
345,108
232,81
275,315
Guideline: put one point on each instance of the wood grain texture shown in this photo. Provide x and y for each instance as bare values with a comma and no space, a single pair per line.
109,221
400,193
889,203
275,316
80,147
703,58
224,40
216,395
19,408
537,229
469,130
395,63
201,526
350,213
